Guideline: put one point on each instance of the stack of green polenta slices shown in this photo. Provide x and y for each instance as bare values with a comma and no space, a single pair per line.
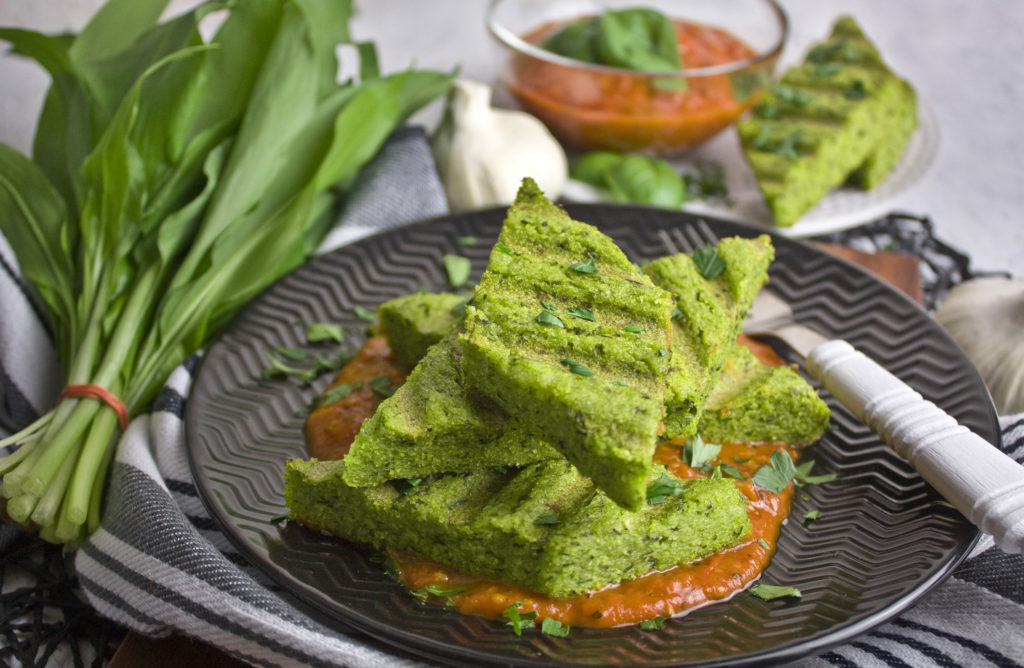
842,116
529,422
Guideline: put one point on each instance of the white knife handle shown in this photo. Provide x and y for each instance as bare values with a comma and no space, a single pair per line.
977,478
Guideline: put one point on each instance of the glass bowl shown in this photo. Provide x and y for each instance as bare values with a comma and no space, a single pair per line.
661,113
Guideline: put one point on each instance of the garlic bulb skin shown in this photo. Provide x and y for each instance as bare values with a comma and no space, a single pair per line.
986,317
483,153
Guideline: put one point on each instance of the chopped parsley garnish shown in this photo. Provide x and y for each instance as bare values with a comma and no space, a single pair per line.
708,183
803,474
619,382
438,590
546,518
279,368
791,95
767,592
577,368
633,329
653,624
732,472
697,453
660,490
826,70
382,386
293,354
339,392
548,305
588,266
709,263
662,352
466,241
406,485
677,314
549,318
812,515
777,473
460,308
317,332
552,627
764,543
857,91
366,314
767,111
582,313
504,249
518,620
458,269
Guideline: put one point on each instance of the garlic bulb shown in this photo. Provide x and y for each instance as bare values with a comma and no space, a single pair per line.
986,317
483,153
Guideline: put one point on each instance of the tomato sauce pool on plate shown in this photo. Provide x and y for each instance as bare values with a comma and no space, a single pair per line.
331,428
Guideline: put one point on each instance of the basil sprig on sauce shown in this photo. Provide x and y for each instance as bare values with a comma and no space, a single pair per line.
636,38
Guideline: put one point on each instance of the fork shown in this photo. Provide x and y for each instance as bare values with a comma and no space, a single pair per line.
979,480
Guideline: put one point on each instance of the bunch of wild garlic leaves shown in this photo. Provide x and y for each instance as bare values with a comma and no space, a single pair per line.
172,179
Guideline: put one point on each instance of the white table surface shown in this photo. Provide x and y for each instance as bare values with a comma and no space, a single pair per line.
966,60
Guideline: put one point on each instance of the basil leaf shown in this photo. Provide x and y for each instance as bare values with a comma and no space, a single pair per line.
592,166
777,473
458,269
709,263
549,306
767,592
642,179
575,41
637,38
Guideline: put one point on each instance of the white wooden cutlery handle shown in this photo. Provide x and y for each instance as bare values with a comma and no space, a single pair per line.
977,478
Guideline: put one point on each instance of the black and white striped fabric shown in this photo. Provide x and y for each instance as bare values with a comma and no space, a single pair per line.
169,570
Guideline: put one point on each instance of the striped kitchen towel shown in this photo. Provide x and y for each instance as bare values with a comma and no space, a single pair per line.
159,564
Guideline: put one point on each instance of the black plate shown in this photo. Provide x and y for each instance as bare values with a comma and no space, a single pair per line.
883,540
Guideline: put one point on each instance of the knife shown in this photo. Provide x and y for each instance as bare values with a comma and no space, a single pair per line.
978,479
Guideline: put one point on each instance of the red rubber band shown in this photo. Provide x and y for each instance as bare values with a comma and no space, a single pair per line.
97,392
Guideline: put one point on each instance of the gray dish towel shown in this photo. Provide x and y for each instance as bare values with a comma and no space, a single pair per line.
170,570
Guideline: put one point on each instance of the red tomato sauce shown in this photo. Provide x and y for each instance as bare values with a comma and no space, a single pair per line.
629,111
330,431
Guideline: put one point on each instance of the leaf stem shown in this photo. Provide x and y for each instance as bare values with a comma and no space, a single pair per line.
99,440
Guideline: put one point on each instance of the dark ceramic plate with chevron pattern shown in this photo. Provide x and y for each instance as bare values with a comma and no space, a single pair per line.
884,539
